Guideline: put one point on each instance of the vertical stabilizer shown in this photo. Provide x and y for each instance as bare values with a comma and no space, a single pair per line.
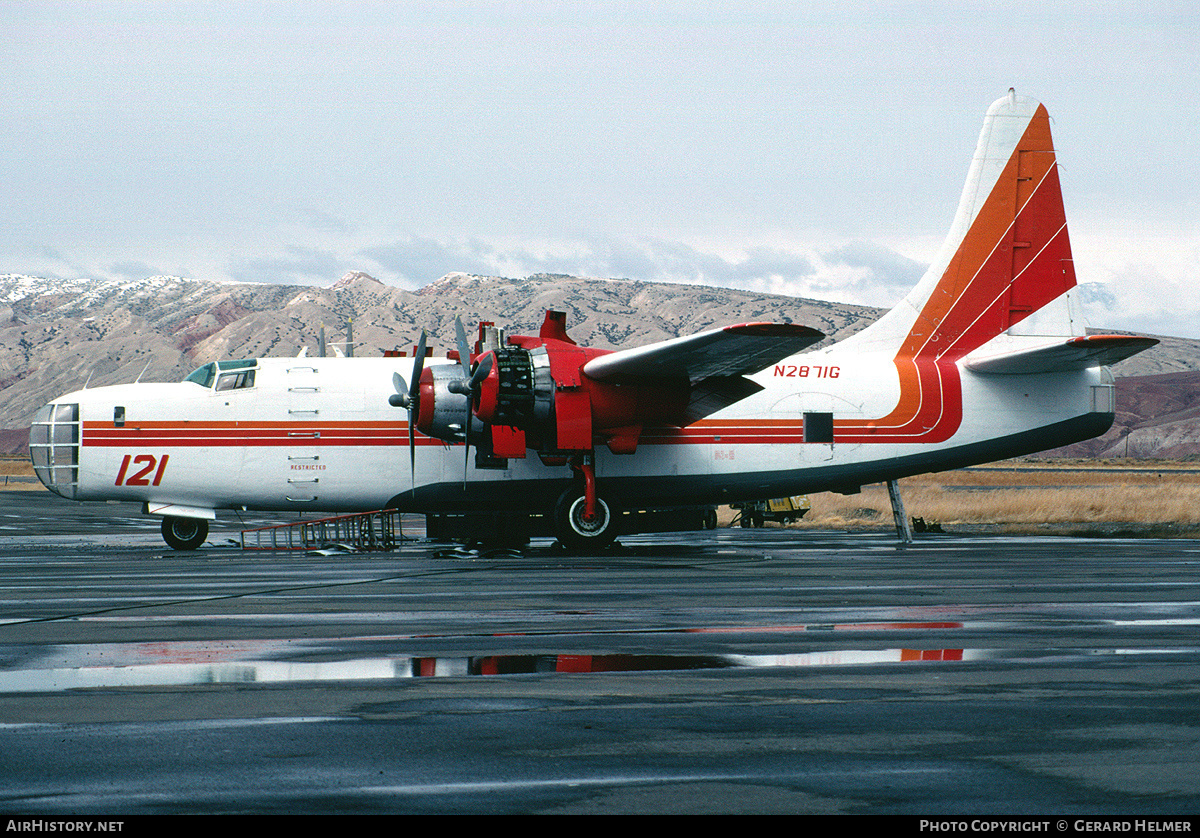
1007,255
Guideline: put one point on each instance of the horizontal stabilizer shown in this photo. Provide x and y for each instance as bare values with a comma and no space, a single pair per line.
1070,354
730,351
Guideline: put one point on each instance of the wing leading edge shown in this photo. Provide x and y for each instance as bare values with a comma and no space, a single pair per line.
711,363
718,353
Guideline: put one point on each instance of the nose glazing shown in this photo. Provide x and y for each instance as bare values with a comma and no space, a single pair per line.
54,447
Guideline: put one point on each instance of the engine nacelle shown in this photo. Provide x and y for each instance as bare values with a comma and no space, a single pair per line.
442,413
535,395
542,392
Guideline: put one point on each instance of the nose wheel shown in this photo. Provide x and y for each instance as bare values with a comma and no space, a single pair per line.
184,533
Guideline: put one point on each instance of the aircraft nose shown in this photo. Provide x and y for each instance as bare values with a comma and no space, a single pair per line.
54,447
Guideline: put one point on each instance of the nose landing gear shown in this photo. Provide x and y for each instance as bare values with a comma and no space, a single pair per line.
184,533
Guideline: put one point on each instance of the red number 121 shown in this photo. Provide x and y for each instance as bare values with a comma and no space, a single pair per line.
147,462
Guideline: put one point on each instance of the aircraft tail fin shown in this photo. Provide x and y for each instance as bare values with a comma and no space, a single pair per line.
1007,255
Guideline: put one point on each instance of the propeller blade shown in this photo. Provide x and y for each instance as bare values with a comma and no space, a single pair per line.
467,447
482,368
412,454
418,365
468,386
463,388
414,400
464,349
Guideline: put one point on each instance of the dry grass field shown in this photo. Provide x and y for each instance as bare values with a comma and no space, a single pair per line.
12,465
1076,497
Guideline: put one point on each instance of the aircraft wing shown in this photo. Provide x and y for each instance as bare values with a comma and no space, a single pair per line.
1072,354
720,353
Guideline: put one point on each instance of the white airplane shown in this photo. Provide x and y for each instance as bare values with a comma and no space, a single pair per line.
983,360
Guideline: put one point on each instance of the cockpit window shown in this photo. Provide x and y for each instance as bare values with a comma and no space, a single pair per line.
203,376
207,374
235,380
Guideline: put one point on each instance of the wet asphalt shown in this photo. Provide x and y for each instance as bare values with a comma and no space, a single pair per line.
732,671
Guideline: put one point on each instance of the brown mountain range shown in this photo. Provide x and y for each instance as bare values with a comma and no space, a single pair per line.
55,335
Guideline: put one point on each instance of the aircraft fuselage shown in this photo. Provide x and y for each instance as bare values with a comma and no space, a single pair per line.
318,434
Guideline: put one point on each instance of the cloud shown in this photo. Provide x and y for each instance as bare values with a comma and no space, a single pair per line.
1161,298
1141,299
300,266
133,270
416,261
858,272
883,267
861,272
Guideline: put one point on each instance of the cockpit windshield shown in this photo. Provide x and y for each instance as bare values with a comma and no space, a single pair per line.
207,374
203,376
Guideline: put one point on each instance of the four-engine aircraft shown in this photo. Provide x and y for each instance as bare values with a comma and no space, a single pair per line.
983,360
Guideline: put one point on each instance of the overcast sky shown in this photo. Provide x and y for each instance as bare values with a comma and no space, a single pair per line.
814,148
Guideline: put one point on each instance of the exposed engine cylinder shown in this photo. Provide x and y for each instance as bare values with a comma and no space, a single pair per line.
519,391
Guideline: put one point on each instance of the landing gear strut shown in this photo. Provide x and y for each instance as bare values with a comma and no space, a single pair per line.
579,531
583,519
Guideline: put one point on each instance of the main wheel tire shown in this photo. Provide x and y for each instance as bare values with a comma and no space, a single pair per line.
710,519
184,533
576,534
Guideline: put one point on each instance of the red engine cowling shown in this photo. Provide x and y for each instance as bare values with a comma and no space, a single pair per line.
541,391
535,396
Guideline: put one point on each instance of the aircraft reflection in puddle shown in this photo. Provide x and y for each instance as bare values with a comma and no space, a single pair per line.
265,672
268,672
517,664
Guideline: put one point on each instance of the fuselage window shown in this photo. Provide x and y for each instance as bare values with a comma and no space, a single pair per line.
235,380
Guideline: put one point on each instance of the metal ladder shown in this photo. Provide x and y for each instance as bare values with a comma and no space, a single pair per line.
363,531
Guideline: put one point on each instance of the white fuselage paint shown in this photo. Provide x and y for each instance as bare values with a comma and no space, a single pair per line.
318,433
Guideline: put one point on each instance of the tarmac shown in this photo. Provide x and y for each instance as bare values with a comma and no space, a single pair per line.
718,672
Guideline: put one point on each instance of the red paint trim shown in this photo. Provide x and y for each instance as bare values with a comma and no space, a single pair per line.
234,434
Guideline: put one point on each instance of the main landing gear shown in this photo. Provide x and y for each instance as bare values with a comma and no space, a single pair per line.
582,519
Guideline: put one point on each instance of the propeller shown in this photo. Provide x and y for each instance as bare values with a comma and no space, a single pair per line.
468,385
464,350
410,399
